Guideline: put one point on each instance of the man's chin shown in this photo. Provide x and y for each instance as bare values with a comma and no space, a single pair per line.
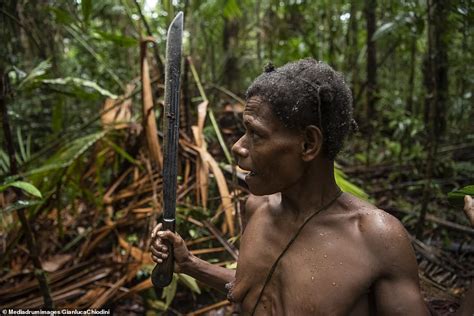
259,189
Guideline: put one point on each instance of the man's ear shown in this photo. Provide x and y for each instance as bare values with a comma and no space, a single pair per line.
312,142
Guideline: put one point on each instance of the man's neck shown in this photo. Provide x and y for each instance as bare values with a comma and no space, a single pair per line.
314,189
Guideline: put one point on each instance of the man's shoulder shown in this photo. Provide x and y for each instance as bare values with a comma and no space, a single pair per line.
255,204
370,219
386,239
379,229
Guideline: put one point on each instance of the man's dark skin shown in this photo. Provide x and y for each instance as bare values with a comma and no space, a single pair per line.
350,259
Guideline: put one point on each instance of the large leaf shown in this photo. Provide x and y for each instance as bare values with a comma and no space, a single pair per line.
79,82
348,186
384,30
190,282
456,197
25,186
170,291
37,72
69,153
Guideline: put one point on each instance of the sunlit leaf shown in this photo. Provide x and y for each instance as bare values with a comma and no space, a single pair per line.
170,291
190,282
37,72
156,304
79,82
456,197
232,10
384,30
25,186
348,186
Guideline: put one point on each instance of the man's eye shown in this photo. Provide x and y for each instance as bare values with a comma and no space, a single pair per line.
254,135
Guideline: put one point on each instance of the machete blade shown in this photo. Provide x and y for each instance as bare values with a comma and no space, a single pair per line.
163,274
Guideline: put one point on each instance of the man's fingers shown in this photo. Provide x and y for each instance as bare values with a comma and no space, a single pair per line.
155,251
469,208
156,259
156,230
166,234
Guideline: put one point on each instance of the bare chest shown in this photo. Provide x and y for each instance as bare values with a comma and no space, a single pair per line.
323,272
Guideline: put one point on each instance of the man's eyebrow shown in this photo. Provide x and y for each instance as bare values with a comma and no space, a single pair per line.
250,122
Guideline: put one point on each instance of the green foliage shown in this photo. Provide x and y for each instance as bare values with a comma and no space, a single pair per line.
232,9
70,56
86,6
170,291
35,74
69,153
79,83
189,282
456,197
348,186
25,186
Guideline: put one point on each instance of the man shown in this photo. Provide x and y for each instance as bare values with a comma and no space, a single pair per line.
306,248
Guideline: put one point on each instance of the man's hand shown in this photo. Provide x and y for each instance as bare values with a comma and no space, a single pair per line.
159,251
469,208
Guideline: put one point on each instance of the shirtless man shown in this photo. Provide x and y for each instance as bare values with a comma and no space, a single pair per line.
306,248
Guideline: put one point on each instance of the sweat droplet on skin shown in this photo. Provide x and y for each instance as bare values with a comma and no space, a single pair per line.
333,283
325,256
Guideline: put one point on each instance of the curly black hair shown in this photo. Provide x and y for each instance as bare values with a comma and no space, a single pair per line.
308,92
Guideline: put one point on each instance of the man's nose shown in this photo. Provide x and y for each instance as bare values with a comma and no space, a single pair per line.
239,149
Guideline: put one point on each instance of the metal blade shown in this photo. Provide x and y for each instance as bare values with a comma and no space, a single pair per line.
171,123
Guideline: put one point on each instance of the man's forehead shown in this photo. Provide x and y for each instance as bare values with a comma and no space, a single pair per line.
254,106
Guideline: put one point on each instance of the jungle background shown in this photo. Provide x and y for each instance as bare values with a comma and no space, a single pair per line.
81,96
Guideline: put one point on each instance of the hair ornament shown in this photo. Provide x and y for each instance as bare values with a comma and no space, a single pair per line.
269,67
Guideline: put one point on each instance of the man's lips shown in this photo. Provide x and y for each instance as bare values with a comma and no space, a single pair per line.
247,172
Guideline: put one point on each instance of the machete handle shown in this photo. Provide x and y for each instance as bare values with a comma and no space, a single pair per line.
163,273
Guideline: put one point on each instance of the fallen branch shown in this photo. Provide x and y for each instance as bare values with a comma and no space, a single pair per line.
437,220
209,308
228,246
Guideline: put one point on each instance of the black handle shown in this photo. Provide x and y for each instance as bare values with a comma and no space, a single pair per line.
163,273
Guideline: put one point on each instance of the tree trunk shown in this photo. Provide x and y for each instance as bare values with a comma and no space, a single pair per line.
230,43
411,76
353,49
371,90
436,84
331,37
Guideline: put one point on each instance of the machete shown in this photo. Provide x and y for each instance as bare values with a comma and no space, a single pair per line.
163,273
